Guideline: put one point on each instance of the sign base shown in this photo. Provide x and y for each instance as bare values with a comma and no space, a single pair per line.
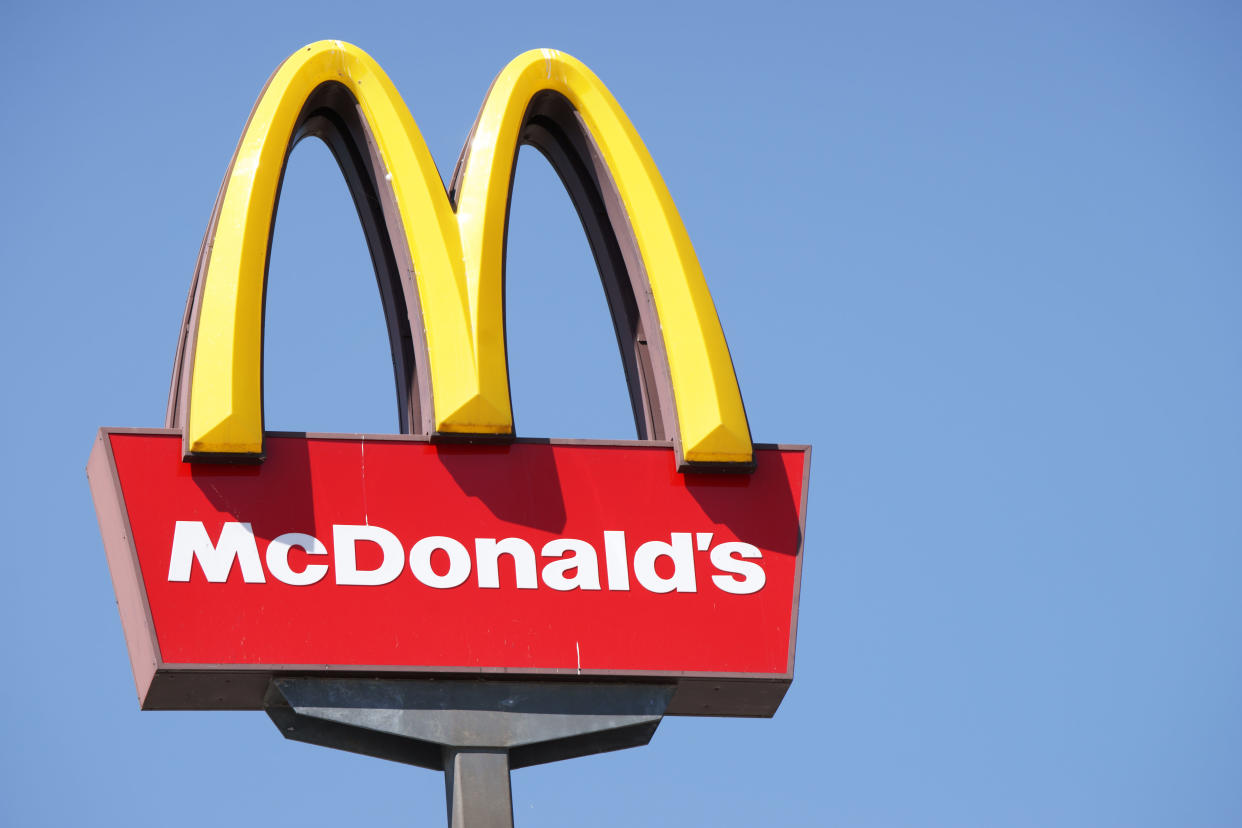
474,731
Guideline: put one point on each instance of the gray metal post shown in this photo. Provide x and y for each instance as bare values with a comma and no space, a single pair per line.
476,786
473,730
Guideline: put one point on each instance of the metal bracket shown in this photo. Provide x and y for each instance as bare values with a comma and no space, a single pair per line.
474,731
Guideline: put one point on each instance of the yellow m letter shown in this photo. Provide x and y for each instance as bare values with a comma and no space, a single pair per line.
440,256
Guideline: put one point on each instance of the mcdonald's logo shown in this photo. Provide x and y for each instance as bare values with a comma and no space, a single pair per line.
417,554
440,256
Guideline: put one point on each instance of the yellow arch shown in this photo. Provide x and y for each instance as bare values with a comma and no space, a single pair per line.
457,255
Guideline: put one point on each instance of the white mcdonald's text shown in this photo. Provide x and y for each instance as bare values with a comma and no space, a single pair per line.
443,563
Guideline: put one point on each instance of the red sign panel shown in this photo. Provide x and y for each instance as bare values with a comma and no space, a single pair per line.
353,555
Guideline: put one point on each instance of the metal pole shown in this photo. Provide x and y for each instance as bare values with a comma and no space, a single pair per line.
477,788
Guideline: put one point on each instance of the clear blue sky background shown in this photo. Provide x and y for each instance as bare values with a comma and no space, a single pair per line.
985,257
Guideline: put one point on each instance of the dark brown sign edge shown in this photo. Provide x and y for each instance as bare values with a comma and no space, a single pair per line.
127,582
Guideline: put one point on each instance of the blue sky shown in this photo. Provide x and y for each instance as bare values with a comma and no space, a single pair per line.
983,256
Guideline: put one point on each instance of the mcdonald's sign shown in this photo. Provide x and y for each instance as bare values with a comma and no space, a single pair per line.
454,548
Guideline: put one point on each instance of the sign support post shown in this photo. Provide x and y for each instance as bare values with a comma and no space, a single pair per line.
475,731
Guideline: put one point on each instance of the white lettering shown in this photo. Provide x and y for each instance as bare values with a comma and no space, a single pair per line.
459,562
190,540
583,562
574,563
345,536
753,576
615,560
682,554
487,552
278,559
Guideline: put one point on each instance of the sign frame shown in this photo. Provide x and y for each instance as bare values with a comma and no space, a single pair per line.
163,685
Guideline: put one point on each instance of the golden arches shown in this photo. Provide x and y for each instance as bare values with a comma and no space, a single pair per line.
449,256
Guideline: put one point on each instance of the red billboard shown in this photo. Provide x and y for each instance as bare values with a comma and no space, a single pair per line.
391,555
